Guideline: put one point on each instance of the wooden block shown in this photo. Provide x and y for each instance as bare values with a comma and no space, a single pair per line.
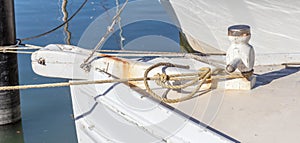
240,83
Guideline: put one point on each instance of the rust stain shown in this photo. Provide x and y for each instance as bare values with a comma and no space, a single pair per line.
120,63
113,58
125,69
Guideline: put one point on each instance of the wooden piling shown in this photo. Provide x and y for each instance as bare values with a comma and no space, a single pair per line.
9,100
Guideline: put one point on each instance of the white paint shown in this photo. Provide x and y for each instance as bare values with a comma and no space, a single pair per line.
245,115
240,83
274,23
110,112
60,61
240,55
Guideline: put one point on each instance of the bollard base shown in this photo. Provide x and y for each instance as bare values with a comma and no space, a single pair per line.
240,83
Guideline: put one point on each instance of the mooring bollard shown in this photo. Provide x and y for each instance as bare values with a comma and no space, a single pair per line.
9,100
240,57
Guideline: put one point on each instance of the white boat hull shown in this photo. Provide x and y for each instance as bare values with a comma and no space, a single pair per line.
103,115
119,112
123,112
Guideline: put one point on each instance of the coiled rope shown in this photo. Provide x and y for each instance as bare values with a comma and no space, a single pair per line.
203,75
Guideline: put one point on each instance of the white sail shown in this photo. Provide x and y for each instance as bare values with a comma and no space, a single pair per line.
274,24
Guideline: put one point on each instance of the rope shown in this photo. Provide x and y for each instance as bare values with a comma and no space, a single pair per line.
203,76
27,47
33,46
15,49
16,52
63,84
123,53
122,38
291,64
120,53
59,26
86,65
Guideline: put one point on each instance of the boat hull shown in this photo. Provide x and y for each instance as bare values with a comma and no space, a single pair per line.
123,112
120,112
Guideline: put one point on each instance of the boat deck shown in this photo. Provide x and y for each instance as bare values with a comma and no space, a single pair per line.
268,113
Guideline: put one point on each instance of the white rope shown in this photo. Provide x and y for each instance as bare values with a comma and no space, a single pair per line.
33,46
124,53
19,50
16,52
122,38
26,47
138,52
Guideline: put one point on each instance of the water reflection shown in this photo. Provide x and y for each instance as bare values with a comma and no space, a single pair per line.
11,133
67,33
46,112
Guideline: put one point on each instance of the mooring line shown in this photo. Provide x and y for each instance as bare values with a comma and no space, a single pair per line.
204,75
85,65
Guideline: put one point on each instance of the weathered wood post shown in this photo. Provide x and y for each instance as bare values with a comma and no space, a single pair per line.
9,100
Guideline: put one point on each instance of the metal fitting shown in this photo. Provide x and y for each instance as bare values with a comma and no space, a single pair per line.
239,30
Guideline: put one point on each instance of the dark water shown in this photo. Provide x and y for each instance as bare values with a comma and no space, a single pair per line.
47,113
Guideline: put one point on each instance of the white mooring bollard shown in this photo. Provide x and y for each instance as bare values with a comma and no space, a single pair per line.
240,57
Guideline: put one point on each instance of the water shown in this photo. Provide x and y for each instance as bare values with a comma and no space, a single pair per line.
47,113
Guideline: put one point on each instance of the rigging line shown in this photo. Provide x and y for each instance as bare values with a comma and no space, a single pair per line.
23,47
146,52
122,38
16,52
85,65
54,29
17,48
32,46
139,52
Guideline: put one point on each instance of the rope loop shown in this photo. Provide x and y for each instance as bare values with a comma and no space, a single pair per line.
161,80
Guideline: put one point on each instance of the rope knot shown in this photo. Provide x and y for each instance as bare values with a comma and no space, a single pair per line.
4,50
163,77
110,29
